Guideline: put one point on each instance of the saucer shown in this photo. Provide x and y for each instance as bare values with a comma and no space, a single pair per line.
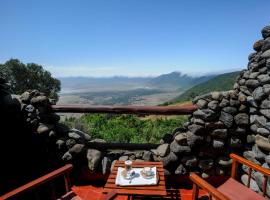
147,176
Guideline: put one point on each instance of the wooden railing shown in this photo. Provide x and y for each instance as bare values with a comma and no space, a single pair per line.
146,110
48,177
143,110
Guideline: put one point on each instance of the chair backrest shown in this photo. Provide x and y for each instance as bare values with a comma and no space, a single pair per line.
252,166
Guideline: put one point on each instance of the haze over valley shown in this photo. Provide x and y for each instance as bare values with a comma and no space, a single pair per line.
120,90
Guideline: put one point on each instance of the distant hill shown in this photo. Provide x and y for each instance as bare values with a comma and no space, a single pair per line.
218,83
177,80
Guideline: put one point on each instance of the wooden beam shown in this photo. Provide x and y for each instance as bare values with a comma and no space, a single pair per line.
122,146
147,110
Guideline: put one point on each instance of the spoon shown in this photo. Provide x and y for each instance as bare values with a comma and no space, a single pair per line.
132,175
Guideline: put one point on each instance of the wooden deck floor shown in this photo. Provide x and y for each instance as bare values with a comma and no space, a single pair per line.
94,193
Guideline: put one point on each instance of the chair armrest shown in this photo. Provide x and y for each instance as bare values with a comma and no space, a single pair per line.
207,187
250,164
109,195
61,171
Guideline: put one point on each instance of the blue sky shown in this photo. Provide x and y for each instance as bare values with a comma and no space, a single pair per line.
131,37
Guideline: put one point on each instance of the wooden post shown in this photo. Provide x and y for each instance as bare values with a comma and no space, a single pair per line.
234,169
67,182
195,192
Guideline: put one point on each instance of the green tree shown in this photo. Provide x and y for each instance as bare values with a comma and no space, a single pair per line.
23,77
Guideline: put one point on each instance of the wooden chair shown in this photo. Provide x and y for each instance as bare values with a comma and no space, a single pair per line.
63,171
232,189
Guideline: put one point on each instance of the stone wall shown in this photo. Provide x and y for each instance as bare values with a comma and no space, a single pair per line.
231,121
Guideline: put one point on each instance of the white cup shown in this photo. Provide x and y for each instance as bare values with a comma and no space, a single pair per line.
147,171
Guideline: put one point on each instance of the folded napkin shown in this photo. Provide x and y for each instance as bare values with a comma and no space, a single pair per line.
137,180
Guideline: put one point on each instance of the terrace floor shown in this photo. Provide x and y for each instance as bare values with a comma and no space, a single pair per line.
94,192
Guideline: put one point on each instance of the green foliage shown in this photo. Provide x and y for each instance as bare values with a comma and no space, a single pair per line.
221,82
23,77
126,128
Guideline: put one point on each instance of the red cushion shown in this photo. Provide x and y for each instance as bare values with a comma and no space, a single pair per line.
237,191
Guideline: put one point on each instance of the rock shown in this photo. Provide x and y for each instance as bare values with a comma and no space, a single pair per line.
253,110
216,95
259,153
44,128
163,150
252,83
226,118
180,170
219,133
235,142
214,125
242,98
231,110
262,142
259,120
176,148
253,184
214,105
106,165
224,102
198,121
193,139
98,140
239,131
266,44
206,151
234,102
82,134
263,132
93,157
205,114
250,139
264,78
267,159
170,158
258,45
77,149
254,128
147,156
67,156
206,164
39,101
266,54
70,143
242,81
266,32
220,171
74,135
265,112
224,161
243,108
181,138
189,161
218,144
29,108
123,158
266,89
201,103
265,104
258,94
25,97
251,56
252,102
196,129
112,165
241,119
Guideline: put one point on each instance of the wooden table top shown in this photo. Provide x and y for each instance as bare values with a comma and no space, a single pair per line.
153,190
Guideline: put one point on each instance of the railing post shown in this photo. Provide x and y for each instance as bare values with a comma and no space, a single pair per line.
195,192
234,169
67,182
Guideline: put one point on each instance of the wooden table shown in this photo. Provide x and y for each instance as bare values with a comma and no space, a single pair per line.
153,190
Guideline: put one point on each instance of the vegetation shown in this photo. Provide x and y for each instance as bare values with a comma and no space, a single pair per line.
23,77
219,83
126,128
